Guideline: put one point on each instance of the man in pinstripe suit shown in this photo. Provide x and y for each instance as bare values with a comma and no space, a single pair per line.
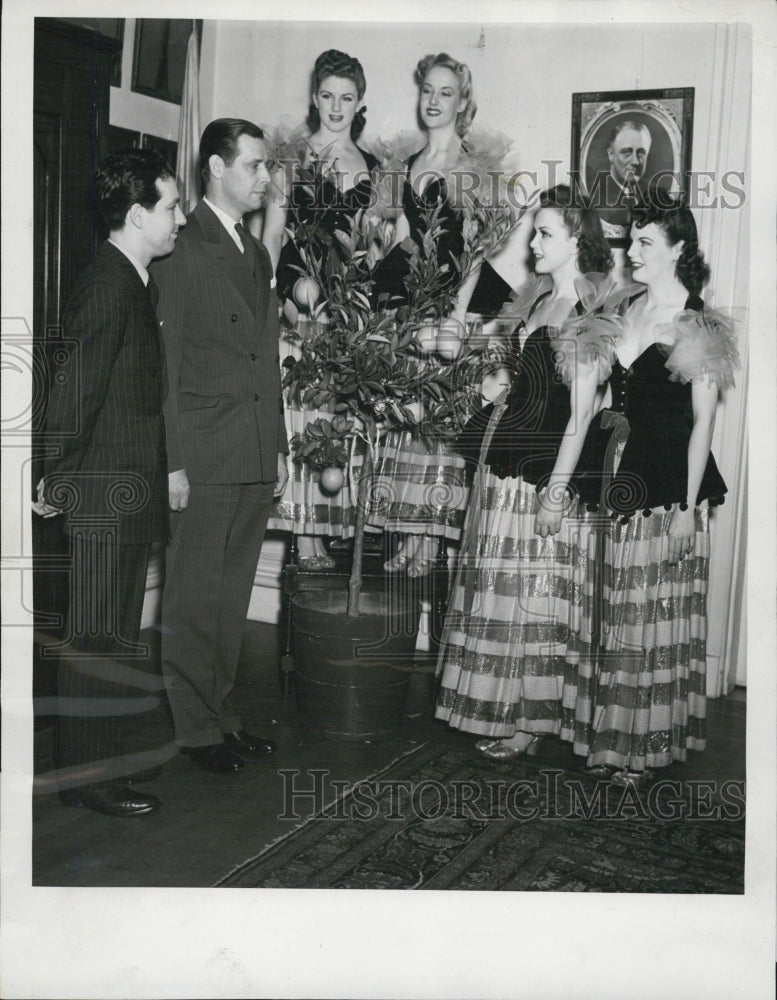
106,469
226,442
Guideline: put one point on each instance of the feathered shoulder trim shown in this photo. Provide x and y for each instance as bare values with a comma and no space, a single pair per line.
703,346
476,184
520,303
587,340
288,148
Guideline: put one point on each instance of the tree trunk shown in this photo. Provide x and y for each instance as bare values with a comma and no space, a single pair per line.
355,582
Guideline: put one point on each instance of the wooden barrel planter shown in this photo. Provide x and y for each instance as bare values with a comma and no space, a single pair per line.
348,677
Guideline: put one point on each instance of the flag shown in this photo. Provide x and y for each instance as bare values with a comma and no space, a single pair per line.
187,167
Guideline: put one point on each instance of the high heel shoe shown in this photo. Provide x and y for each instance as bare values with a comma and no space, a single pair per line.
486,743
598,770
398,563
420,566
631,779
503,751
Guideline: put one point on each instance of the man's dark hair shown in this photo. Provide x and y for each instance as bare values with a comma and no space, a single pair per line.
616,130
220,139
127,179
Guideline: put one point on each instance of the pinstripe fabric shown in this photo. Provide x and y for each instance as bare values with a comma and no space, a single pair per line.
104,418
223,413
104,409
211,563
224,418
89,674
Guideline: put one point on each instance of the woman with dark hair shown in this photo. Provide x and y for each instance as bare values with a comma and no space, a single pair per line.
519,592
672,359
419,485
342,174
324,182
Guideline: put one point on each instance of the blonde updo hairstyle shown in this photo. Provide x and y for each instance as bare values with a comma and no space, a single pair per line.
462,71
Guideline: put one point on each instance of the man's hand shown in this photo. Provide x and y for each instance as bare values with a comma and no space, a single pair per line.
178,487
40,506
283,476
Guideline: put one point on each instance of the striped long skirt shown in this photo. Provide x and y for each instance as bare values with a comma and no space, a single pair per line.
651,693
305,508
516,600
418,488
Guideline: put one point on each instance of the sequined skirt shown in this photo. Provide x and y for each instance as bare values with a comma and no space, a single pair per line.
651,694
516,599
305,508
418,488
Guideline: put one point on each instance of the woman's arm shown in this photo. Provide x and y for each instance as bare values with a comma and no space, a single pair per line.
273,231
682,528
465,291
582,394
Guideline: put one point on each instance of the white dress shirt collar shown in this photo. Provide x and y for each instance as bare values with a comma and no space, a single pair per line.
227,222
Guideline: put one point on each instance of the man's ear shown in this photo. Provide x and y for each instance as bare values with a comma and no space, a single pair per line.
216,165
135,216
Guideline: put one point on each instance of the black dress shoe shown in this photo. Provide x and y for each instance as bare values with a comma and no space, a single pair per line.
245,743
112,800
216,757
141,777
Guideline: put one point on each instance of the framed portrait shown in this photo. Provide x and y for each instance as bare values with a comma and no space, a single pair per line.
159,58
165,147
626,143
120,139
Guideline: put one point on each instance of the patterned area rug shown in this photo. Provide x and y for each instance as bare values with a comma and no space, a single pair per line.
439,818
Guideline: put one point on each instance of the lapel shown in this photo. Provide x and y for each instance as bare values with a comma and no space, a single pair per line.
220,246
263,276
114,260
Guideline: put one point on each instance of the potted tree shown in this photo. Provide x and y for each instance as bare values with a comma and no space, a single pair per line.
374,370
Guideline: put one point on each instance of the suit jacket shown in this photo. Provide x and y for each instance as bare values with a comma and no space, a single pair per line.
224,410
104,413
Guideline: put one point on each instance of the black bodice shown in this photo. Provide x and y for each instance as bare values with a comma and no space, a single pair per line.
491,291
527,438
316,211
653,468
391,273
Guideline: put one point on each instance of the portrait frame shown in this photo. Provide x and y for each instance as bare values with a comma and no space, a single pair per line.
159,56
668,116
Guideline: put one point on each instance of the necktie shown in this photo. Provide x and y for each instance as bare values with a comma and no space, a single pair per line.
248,247
153,291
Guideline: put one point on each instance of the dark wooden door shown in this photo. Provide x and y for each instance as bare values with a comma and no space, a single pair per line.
70,106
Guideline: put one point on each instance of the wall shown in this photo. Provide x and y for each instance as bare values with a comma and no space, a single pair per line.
524,75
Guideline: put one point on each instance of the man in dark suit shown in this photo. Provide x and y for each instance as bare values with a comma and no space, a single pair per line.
226,441
107,473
